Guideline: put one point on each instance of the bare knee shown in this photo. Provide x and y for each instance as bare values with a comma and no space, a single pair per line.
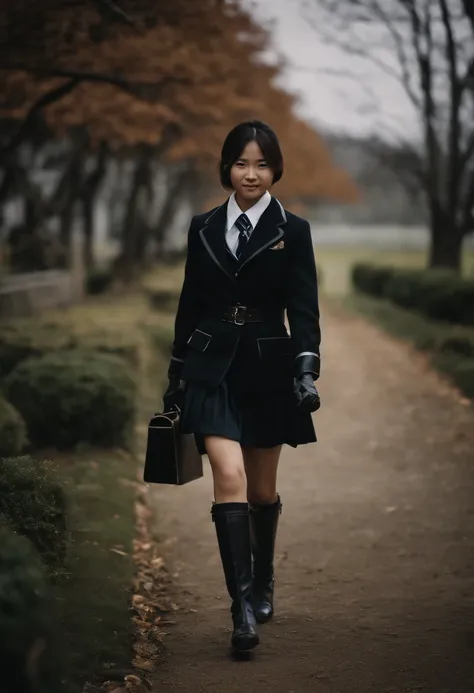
230,481
265,495
261,466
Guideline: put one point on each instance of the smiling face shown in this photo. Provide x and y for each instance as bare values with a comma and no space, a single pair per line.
251,176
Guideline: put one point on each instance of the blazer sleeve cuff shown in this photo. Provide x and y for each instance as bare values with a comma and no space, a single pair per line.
307,362
175,368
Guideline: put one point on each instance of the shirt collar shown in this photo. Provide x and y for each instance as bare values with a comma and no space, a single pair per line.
253,214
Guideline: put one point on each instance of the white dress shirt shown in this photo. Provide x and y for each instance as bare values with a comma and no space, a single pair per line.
234,212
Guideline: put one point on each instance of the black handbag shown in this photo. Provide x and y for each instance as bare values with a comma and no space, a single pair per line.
171,457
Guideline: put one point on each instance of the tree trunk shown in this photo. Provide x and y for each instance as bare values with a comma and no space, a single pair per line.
127,260
89,192
88,212
66,197
174,195
445,245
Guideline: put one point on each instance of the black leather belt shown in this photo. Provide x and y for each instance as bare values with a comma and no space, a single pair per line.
239,315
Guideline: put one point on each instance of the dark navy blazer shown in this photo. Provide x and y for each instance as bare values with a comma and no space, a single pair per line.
276,273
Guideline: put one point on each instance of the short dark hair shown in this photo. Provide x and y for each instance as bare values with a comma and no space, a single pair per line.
239,137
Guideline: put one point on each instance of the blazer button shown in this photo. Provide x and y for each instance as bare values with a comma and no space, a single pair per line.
236,274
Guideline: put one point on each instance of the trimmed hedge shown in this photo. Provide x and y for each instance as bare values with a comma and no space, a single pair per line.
27,616
13,436
460,344
459,369
371,279
113,343
438,294
20,341
33,505
74,397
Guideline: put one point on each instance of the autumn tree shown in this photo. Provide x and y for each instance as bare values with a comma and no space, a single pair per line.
155,93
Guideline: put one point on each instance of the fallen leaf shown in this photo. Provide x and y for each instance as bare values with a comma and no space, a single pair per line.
134,680
143,664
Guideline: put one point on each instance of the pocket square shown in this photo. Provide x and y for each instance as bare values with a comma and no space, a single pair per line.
278,246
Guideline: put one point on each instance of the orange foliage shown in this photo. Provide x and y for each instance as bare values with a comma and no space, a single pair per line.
214,80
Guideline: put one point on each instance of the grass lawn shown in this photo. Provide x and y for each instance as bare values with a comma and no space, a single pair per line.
335,263
94,598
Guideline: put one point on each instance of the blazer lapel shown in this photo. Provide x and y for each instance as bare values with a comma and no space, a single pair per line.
267,232
213,238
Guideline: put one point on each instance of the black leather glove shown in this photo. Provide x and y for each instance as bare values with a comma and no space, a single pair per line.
307,396
174,395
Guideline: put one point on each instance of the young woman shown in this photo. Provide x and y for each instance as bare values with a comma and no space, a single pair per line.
245,386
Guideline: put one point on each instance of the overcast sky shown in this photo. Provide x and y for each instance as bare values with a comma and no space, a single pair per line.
367,102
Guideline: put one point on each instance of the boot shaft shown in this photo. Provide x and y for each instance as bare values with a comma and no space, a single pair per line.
263,530
233,537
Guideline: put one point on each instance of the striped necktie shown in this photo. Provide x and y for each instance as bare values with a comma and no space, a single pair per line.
245,229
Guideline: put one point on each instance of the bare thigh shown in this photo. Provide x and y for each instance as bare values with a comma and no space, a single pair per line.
261,468
228,471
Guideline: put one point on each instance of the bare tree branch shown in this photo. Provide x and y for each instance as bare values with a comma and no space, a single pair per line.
350,44
455,104
142,90
76,78
45,100
469,10
399,44
344,74
422,43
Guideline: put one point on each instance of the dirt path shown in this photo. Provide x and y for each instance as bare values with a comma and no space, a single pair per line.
375,561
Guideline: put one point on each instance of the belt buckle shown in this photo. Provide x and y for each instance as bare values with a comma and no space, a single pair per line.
235,314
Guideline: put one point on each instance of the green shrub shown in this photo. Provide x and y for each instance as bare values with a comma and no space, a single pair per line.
32,504
446,296
13,436
162,339
74,397
371,279
114,343
28,617
438,294
461,344
23,340
99,280
403,288
463,376
459,369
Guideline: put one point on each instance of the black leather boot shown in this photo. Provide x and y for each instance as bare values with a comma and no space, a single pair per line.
233,537
263,529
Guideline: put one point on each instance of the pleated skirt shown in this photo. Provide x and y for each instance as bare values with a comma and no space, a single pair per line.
261,419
